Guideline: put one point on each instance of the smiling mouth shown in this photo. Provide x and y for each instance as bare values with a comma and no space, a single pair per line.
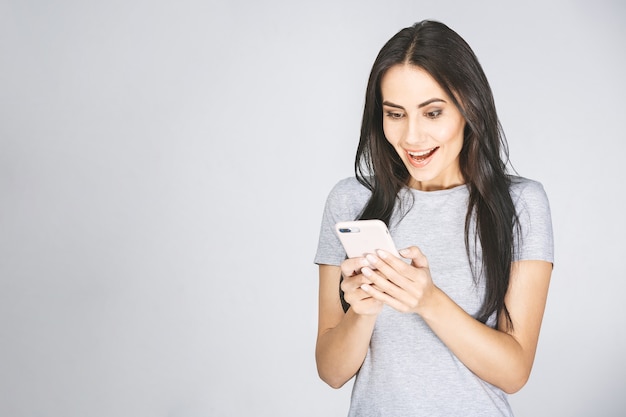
422,155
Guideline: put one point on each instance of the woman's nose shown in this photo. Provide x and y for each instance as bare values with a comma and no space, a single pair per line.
415,133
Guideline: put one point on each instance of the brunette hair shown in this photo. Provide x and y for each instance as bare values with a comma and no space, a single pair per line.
440,51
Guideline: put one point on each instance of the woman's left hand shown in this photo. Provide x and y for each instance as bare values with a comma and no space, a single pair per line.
406,288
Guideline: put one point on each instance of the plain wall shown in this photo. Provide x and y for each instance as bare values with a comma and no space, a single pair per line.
163,169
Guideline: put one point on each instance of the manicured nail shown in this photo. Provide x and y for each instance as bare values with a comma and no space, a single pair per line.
371,259
366,271
382,253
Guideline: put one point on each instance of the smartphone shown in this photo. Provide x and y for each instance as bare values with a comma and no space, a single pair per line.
361,237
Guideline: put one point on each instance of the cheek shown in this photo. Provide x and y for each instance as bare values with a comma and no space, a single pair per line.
451,132
391,133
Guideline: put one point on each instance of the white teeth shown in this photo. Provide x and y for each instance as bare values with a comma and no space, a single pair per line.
423,153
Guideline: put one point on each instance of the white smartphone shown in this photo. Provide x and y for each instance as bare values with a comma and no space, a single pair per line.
361,237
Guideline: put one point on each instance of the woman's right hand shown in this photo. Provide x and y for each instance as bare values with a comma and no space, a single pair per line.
360,302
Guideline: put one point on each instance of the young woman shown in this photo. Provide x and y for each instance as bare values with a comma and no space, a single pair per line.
453,328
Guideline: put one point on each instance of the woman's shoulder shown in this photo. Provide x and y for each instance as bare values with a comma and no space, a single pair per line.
347,198
349,186
525,188
529,196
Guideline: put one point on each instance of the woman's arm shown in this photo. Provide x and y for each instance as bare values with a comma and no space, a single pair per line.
499,356
343,338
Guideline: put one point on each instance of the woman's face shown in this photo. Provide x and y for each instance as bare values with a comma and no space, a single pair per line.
424,126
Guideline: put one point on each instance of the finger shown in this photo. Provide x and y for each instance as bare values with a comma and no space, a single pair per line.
418,259
387,292
352,266
349,284
353,291
390,259
391,267
381,282
399,280
375,293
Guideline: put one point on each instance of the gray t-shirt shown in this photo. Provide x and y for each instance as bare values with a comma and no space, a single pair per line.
408,371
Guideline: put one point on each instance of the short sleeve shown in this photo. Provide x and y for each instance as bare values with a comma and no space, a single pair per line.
344,203
534,237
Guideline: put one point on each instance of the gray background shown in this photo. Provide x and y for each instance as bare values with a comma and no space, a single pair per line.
163,168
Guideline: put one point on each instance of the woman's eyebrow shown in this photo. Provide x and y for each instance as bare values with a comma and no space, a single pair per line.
432,100
390,104
419,106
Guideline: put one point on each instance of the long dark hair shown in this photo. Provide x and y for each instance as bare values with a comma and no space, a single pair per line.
441,52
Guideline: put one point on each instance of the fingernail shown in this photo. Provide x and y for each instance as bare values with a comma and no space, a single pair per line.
381,253
366,271
404,252
365,287
371,259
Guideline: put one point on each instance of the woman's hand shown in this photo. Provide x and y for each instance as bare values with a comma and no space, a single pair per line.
501,356
390,280
353,279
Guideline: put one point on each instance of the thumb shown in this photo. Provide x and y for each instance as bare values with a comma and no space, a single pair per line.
418,259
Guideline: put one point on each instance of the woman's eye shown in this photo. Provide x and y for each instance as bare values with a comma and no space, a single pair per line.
433,114
394,115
